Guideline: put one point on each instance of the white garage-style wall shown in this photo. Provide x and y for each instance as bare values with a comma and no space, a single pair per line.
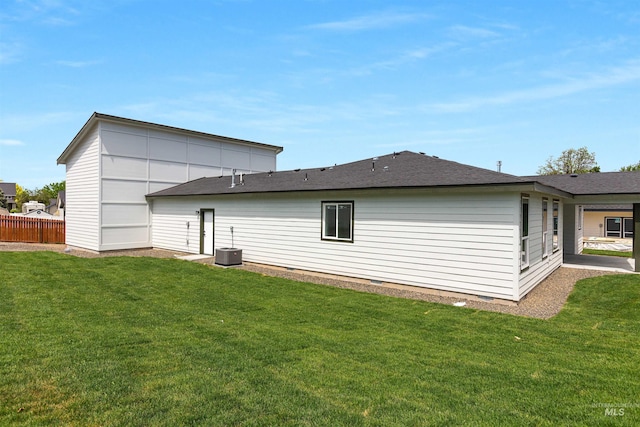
114,162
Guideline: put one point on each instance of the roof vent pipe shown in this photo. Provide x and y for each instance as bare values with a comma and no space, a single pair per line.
233,178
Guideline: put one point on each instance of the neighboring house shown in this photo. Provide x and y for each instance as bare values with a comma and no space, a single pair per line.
614,221
60,203
403,218
9,190
113,162
52,207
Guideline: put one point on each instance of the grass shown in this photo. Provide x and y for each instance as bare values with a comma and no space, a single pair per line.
137,341
587,251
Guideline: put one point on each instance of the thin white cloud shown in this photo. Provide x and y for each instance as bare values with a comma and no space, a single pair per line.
463,31
629,72
49,12
406,57
10,142
597,45
77,64
370,22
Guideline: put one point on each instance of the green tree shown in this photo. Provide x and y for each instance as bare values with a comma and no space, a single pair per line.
631,168
42,195
571,161
48,192
3,199
22,196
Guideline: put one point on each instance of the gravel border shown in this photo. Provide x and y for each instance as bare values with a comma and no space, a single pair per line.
543,302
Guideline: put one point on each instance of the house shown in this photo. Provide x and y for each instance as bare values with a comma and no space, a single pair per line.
60,203
403,218
9,191
52,207
113,162
613,221
596,189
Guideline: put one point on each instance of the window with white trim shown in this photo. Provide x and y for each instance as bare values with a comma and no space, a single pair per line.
337,221
556,216
545,209
524,233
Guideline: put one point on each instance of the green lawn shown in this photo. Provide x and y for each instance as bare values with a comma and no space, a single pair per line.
137,341
587,251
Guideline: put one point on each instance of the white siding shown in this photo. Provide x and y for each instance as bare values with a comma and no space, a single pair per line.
83,189
539,267
176,225
577,238
461,243
136,161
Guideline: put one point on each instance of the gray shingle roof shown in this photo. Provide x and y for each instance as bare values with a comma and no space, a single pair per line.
399,170
8,188
593,183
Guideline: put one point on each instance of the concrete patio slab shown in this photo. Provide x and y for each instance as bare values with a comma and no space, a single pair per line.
193,257
598,262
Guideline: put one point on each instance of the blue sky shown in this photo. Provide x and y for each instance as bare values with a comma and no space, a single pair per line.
330,81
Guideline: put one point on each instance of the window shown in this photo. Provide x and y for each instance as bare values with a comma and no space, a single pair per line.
524,234
545,208
337,221
618,227
580,217
556,212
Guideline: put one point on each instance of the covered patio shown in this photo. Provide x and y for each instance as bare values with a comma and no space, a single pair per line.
598,262
601,188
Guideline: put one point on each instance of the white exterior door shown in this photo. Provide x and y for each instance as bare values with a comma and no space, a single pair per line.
207,233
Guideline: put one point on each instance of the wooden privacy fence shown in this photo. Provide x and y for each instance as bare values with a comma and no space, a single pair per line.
31,230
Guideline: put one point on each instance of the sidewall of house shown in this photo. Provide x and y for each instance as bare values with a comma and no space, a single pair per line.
540,266
452,242
82,194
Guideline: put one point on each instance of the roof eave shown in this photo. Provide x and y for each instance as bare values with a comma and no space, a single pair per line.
511,187
62,159
115,119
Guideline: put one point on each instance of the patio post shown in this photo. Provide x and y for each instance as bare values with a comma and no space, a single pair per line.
636,237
